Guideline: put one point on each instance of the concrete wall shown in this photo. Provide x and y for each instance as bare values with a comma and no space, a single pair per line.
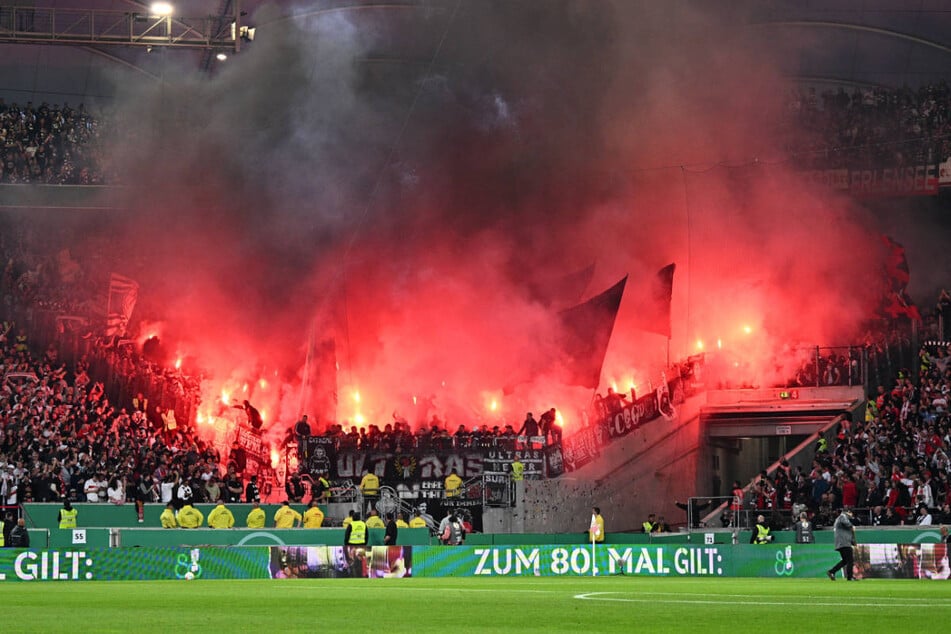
643,472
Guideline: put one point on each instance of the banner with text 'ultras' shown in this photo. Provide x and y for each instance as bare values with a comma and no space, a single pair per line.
772,560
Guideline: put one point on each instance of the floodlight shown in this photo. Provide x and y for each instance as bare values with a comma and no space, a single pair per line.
161,8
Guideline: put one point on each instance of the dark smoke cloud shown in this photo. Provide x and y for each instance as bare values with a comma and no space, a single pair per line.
408,180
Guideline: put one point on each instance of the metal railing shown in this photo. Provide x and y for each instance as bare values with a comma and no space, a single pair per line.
57,25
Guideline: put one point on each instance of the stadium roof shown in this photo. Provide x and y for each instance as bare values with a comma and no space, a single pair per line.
861,42
846,42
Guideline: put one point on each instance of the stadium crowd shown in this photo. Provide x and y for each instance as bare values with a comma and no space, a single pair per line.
438,438
892,467
51,145
869,127
62,438
864,127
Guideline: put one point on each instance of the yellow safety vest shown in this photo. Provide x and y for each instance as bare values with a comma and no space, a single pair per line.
762,534
518,471
453,486
370,485
358,532
1,534
67,519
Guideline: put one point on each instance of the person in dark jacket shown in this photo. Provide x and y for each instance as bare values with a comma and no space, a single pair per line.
804,529
19,536
392,531
844,542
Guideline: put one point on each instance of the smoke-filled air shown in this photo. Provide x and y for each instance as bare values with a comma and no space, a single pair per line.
382,213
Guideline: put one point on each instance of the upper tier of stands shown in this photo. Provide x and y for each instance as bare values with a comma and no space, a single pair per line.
861,128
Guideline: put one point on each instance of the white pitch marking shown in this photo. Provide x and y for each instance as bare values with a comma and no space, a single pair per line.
728,600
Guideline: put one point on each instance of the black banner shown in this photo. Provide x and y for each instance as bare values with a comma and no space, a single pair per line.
425,471
554,461
499,462
616,419
581,448
318,455
250,440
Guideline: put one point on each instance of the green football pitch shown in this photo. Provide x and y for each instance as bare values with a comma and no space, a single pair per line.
603,604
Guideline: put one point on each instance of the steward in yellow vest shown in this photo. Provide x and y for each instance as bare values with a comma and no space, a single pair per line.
356,534
313,517
761,532
67,516
190,517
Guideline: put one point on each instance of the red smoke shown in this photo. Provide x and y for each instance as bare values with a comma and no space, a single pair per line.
411,215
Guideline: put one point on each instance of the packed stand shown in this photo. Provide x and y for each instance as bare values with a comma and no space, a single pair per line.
62,438
869,127
437,436
892,467
51,145
861,128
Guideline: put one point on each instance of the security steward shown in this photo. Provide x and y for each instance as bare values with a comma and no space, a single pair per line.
761,533
356,533
648,526
355,540
190,517
67,515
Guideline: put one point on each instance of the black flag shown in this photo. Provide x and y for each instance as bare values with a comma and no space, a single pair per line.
653,314
586,330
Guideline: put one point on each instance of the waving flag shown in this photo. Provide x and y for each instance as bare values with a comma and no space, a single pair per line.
653,313
123,294
586,331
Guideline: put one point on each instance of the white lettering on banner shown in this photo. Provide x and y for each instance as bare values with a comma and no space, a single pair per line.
615,558
484,554
505,565
944,173
835,178
350,465
473,465
622,423
430,467
408,492
654,567
697,561
578,560
907,180
65,566
920,179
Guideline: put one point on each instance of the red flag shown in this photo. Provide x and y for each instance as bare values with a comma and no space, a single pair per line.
897,264
897,302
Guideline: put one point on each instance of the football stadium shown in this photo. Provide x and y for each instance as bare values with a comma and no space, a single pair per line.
474,315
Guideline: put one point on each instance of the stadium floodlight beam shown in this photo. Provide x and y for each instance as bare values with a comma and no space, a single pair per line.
161,8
